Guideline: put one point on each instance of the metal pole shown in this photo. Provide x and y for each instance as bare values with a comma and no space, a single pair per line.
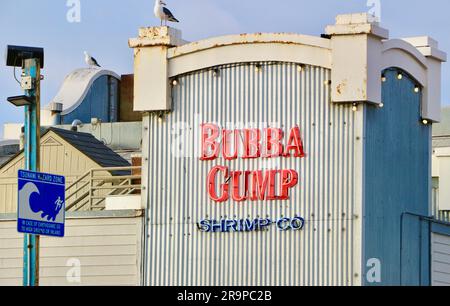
32,157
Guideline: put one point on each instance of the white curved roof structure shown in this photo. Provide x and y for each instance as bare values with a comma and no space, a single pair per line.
76,86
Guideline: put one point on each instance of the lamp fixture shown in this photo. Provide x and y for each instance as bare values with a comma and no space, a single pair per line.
20,101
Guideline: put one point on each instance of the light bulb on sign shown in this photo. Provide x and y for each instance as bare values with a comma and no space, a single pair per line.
400,76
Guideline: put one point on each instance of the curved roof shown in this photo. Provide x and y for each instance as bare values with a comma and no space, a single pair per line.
242,39
76,86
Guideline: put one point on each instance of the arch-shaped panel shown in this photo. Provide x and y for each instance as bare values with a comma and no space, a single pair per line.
249,48
77,85
400,54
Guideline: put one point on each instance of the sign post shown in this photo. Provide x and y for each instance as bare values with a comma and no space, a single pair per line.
41,211
32,69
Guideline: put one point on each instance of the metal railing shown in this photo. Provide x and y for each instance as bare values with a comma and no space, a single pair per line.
442,215
90,190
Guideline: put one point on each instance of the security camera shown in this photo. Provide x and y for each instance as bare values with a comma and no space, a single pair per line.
15,55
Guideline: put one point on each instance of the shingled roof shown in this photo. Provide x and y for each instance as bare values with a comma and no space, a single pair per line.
92,148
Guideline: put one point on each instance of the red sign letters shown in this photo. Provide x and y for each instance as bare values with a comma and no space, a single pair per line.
250,144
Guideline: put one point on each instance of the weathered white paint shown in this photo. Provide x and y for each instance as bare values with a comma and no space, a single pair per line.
242,53
440,260
431,108
151,84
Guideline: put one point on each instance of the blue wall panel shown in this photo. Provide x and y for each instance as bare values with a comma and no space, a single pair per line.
397,180
98,103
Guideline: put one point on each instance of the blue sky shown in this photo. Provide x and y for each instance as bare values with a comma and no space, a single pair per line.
106,26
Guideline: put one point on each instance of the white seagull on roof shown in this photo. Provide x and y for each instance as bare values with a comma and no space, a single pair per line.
92,62
163,13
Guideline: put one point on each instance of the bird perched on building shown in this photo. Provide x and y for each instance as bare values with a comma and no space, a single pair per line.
92,62
163,13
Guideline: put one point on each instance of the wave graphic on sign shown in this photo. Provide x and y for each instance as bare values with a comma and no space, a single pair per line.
31,204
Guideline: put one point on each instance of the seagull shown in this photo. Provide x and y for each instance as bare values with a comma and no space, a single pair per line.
92,62
163,13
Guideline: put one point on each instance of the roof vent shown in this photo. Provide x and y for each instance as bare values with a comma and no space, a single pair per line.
75,124
56,107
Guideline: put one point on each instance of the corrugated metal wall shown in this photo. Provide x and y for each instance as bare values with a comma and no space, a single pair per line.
107,247
323,253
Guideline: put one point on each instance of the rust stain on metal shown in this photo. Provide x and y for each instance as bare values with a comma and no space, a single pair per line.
341,87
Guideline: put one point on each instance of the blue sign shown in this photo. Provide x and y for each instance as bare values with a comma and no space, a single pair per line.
41,204
250,225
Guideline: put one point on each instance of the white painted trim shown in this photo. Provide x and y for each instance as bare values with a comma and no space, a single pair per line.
395,58
400,54
264,38
231,49
406,47
258,52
